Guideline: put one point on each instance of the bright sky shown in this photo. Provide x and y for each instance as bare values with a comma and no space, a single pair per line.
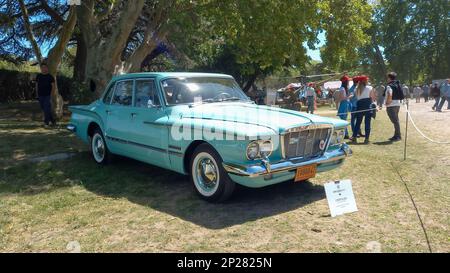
315,54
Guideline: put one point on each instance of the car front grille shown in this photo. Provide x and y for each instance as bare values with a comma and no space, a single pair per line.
305,142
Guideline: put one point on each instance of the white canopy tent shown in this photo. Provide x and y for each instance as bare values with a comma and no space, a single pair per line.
335,84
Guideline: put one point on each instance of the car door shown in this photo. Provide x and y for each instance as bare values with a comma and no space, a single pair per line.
119,116
149,131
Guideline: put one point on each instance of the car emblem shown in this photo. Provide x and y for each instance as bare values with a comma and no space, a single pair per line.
322,145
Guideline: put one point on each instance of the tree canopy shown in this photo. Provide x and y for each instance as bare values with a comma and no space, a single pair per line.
249,39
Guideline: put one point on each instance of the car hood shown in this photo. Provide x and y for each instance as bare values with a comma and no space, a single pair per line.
277,119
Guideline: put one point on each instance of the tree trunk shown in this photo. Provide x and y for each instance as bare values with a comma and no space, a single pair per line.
104,52
54,59
250,82
79,69
380,60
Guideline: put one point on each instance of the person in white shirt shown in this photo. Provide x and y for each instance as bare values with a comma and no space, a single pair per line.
366,96
393,97
417,93
310,98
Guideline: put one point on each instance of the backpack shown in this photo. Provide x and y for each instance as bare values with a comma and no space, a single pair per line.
397,91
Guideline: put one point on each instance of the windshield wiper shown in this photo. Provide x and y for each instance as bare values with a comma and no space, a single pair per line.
229,99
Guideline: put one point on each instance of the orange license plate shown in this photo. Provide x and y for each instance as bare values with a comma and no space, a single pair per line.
305,173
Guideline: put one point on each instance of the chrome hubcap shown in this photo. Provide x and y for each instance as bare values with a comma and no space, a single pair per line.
98,148
206,175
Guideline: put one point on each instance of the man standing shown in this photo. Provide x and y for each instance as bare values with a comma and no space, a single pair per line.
426,92
445,95
45,86
393,96
310,98
406,91
380,99
436,95
417,93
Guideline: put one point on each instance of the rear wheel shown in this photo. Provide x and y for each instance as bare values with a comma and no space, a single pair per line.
99,150
210,180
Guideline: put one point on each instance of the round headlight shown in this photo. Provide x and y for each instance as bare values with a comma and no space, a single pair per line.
265,148
253,150
340,136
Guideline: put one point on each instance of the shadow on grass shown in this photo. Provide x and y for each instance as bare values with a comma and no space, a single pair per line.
384,143
159,189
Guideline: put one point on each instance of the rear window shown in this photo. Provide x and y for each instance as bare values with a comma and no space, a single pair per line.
123,94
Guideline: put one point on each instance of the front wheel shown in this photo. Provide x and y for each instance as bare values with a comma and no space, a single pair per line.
209,178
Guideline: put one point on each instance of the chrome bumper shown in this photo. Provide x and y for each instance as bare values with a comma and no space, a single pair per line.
266,167
71,128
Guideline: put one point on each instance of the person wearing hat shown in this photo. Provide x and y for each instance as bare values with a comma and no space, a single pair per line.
366,96
344,105
310,94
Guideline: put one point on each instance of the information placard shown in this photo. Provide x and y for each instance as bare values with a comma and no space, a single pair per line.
340,197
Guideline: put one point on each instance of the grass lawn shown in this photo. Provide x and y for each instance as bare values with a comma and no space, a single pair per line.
133,207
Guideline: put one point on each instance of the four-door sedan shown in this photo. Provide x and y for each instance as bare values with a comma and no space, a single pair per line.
204,126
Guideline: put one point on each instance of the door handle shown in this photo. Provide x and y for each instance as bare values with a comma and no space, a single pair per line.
133,114
108,112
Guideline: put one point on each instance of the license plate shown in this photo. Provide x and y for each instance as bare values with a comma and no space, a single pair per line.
305,173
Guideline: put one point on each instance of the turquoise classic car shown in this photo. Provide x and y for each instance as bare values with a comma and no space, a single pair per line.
204,126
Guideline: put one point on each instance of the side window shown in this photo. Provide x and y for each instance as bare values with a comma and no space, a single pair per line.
123,94
109,94
146,94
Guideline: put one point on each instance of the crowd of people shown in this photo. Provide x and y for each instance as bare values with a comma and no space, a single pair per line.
362,101
438,92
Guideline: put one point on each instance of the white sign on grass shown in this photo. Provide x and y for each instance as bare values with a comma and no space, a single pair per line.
340,197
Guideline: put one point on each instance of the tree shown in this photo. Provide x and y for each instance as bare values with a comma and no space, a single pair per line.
415,38
345,23
118,35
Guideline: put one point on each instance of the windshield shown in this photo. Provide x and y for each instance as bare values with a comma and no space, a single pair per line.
202,90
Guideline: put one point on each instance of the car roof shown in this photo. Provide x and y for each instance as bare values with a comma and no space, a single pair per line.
169,75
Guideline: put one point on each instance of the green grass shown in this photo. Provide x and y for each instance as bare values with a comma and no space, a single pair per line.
134,207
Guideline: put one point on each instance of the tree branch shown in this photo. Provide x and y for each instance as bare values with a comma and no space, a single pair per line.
29,31
53,13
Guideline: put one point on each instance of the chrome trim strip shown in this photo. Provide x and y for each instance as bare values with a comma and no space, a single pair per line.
71,128
176,153
155,123
137,144
174,147
309,127
267,168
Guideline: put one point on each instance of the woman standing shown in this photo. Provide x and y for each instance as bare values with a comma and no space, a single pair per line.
366,96
344,105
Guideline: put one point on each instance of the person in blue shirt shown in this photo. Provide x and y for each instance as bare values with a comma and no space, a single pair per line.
353,105
344,105
445,95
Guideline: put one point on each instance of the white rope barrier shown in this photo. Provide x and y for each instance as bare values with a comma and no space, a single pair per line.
421,133
354,112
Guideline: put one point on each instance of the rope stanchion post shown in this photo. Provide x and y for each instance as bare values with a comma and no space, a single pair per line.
406,131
